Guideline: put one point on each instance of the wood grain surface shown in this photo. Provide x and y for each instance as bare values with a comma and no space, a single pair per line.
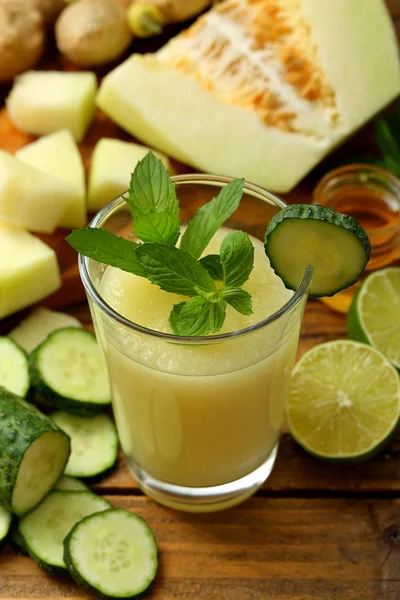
315,531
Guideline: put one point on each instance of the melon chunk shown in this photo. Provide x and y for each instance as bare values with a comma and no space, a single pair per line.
110,171
29,198
58,155
28,270
33,330
43,102
260,88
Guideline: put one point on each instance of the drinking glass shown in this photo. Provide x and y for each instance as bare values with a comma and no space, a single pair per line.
198,418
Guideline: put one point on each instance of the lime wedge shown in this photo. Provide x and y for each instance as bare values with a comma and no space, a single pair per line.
374,316
343,401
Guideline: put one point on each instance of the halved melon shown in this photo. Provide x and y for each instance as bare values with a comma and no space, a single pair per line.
260,88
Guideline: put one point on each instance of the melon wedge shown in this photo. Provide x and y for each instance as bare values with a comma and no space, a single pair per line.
29,198
42,102
28,270
260,88
58,155
110,171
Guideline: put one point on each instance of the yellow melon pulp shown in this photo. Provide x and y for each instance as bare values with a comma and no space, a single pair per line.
260,88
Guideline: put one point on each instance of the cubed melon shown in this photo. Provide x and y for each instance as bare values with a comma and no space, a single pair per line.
29,198
58,155
33,330
28,270
262,89
42,102
110,171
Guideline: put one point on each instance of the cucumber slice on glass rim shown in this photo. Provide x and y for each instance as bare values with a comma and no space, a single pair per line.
309,235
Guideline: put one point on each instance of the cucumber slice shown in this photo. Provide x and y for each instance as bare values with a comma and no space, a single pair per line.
43,530
14,371
333,244
67,369
113,553
70,484
5,524
94,443
33,451
33,330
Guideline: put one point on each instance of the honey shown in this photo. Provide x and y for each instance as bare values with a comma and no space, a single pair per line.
372,196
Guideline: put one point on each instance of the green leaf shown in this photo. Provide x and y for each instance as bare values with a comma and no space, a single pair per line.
173,270
239,299
209,218
197,317
106,248
151,189
161,228
237,257
391,165
212,262
386,141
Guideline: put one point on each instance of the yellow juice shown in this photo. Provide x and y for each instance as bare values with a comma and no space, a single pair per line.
198,414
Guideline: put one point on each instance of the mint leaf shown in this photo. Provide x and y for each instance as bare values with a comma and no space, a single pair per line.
107,248
237,257
173,270
151,189
212,263
161,228
239,299
197,317
386,141
209,218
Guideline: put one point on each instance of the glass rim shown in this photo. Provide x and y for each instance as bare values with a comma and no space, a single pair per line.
95,296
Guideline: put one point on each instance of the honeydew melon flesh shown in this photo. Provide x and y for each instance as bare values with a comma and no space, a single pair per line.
320,70
42,102
111,167
33,330
29,198
28,270
58,155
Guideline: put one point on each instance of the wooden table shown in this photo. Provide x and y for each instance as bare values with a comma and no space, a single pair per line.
315,531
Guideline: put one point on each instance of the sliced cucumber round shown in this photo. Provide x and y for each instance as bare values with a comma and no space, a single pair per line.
33,450
306,235
67,370
70,484
5,524
113,553
14,370
94,443
44,529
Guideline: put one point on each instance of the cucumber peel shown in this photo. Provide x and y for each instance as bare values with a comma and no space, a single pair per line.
334,245
35,454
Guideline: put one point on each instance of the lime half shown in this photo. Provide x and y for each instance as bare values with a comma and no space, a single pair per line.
343,401
374,316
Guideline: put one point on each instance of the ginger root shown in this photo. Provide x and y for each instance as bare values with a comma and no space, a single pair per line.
146,17
22,37
49,9
93,32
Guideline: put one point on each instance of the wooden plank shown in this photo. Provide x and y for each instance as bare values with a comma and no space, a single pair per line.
267,548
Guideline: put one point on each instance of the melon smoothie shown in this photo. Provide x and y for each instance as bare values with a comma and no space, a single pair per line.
198,417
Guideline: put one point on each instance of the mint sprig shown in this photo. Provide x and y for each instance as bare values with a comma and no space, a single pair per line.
210,217
154,207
